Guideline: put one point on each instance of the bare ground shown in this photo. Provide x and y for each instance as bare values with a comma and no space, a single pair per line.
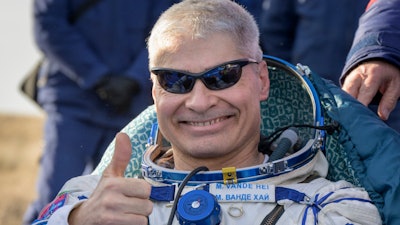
20,148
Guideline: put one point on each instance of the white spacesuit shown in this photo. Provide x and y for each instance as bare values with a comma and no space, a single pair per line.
291,190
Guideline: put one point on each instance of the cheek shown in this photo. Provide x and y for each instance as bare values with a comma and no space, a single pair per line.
154,94
251,88
243,97
159,94
251,94
165,102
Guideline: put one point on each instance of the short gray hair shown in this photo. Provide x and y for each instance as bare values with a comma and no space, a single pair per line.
200,19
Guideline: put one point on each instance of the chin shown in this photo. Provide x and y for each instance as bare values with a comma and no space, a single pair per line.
209,153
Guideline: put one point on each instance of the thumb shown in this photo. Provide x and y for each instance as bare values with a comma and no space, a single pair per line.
121,157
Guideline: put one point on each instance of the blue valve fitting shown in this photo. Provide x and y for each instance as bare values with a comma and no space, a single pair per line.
198,207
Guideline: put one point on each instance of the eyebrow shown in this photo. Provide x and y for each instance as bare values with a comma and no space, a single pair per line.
207,69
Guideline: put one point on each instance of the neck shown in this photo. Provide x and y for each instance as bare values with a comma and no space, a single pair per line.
188,163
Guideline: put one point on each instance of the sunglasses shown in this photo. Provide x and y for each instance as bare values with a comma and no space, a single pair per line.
220,77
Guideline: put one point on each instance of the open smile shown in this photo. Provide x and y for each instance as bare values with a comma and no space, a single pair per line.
208,122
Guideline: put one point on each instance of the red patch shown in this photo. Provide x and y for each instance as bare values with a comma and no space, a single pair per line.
57,203
370,3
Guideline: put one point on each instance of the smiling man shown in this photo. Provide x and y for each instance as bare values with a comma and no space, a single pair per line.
199,118
208,80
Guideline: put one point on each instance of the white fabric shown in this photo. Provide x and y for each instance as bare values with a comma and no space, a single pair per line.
342,212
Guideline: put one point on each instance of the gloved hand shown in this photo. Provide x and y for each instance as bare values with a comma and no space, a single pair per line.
117,91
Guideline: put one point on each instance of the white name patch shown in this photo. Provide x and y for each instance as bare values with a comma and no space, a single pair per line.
243,192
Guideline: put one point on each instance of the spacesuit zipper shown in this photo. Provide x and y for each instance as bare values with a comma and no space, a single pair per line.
273,216
276,213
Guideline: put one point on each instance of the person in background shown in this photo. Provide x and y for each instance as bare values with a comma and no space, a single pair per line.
253,6
93,82
372,70
208,77
316,33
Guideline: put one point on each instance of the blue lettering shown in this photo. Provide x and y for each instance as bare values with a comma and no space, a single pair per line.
261,197
238,197
262,186
240,186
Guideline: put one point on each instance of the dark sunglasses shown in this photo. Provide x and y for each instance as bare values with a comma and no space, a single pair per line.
220,77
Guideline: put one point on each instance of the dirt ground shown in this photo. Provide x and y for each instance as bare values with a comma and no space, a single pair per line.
20,147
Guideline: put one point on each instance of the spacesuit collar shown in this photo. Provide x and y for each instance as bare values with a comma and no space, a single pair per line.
303,161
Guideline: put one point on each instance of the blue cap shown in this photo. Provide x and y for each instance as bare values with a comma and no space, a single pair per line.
198,207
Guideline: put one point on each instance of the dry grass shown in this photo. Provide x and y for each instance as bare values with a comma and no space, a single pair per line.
20,148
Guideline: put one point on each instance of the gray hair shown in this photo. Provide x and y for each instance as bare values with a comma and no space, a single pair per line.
198,19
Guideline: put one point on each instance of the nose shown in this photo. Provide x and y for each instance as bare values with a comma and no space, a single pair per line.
201,98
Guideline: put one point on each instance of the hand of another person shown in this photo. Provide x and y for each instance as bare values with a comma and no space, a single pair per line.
371,77
116,199
118,91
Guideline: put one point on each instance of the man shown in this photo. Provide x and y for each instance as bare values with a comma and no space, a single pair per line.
310,32
372,70
208,80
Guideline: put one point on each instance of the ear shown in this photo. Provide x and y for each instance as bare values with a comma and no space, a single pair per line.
264,80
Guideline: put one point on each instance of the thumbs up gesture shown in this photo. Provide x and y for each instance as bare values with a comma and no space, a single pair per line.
116,199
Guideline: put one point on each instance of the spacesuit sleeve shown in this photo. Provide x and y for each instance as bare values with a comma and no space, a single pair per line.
73,193
346,204
330,203
376,36
342,203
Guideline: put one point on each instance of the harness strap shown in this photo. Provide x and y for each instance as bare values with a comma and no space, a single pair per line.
276,213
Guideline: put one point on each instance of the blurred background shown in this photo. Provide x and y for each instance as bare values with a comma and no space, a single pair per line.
18,54
20,120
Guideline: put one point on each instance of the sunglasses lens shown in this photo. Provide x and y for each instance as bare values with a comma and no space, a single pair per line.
222,77
175,82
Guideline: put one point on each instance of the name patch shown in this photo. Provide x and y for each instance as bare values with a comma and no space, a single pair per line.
243,192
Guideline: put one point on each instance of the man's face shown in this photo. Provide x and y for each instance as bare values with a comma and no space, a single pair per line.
216,128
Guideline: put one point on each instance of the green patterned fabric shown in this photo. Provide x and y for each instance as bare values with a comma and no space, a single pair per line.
138,130
288,103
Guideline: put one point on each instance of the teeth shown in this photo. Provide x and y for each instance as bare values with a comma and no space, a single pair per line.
206,123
